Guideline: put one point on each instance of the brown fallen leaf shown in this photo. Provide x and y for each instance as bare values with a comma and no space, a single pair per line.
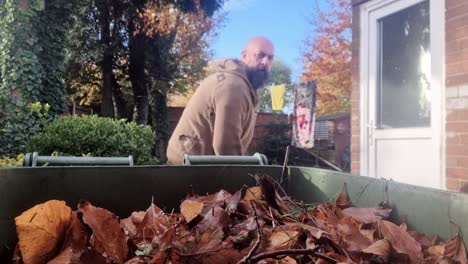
137,260
253,193
159,258
166,240
351,235
313,231
425,241
381,248
282,239
210,240
368,230
137,217
342,201
367,215
271,196
154,224
435,251
455,249
76,235
41,229
339,258
232,202
76,240
65,257
328,213
286,260
401,241
227,255
106,230
17,255
242,239
93,257
129,227
131,223
190,209
217,217
212,200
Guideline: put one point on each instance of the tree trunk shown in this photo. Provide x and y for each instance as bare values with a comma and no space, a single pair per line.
120,103
107,105
137,74
160,124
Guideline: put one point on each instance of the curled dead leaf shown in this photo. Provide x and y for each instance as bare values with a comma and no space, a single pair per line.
232,202
401,241
65,257
217,217
350,233
282,239
40,230
154,224
425,241
435,251
75,243
455,249
106,231
92,256
381,249
342,200
367,215
159,258
316,233
76,236
286,260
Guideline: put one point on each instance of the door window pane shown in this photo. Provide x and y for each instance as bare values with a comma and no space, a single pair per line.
404,67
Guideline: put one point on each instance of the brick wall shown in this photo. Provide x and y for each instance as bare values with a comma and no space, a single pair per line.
456,35
355,127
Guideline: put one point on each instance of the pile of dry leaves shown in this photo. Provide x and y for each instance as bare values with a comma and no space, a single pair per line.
253,225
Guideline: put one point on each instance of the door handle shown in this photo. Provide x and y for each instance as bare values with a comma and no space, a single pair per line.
370,133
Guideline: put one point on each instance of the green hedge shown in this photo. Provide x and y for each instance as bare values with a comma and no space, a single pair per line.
94,136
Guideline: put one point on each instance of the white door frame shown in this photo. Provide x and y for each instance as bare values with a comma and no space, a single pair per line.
368,13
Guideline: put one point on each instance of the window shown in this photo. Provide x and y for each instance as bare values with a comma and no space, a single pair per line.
404,69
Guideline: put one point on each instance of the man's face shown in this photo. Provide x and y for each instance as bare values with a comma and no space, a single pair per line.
258,58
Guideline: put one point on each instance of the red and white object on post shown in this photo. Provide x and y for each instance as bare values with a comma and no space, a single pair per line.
304,113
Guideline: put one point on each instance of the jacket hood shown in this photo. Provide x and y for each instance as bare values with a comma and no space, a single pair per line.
232,66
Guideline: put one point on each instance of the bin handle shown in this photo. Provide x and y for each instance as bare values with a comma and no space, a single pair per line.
256,159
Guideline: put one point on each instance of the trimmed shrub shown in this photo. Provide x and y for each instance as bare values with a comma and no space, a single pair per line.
94,136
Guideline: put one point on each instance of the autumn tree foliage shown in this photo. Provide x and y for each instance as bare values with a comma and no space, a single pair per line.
328,57
179,34
125,57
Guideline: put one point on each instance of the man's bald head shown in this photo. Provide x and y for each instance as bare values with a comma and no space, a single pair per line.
258,56
259,43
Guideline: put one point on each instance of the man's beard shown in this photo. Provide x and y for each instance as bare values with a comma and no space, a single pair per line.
257,77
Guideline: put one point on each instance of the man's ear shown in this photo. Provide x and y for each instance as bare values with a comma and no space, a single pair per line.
244,55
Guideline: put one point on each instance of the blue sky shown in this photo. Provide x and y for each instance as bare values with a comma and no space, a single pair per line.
285,22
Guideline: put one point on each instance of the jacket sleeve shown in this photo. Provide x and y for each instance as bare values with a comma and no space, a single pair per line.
231,106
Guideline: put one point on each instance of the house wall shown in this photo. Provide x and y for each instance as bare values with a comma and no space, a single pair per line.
456,85
456,50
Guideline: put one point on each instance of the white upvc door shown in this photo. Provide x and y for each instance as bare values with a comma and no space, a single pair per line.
401,91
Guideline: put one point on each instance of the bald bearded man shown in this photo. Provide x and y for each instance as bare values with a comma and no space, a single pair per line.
220,117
